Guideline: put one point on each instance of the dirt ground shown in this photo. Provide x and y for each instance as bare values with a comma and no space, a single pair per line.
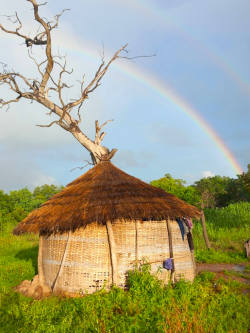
228,271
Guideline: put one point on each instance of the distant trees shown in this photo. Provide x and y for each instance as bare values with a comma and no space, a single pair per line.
208,192
16,205
220,191
45,192
212,191
243,184
178,188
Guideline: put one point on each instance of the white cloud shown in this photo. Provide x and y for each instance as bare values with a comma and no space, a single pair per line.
207,174
42,179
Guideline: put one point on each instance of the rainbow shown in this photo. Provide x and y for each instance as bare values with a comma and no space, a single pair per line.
165,91
160,87
150,9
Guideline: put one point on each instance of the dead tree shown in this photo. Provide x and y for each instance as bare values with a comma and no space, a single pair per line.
52,71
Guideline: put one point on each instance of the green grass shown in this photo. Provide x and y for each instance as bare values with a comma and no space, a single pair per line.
228,228
245,275
233,216
18,258
206,305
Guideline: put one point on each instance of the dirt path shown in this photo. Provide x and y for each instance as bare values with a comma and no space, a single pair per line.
220,267
228,271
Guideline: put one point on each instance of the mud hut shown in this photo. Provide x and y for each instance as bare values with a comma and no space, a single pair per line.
100,226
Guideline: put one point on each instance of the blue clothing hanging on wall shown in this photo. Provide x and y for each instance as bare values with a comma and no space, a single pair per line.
168,264
181,227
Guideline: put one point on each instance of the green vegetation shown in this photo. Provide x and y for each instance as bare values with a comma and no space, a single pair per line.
209,192
178,188
228,228
15,206
207,305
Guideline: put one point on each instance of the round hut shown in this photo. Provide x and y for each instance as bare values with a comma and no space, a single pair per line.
103,224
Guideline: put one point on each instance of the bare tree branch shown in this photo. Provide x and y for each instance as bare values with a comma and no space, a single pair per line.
99,137
135,57
50,60
49,125
80,168
101,71
17,31
4,103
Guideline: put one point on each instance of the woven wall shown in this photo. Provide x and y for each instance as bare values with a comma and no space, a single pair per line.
81,261
87,261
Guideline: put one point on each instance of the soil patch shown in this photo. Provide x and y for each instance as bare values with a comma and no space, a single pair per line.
228,271
219,267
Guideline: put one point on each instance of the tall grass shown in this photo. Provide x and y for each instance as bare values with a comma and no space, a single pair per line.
233,216
228,228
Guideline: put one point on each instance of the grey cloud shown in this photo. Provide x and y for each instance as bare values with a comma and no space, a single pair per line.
172,4
170,135
128,158
16,173
243,156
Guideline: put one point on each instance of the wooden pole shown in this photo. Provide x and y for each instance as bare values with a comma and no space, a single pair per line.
62,262
46,290
171,252
40,262
204,229
137,255
112,248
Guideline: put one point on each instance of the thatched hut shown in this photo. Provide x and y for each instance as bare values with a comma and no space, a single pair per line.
101,225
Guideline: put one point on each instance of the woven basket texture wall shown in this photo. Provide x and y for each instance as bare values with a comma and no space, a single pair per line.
85,259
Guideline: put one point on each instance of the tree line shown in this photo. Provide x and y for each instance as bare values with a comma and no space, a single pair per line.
210,192
16,205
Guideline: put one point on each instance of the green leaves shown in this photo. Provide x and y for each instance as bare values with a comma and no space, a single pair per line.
16,205
208,192
177,187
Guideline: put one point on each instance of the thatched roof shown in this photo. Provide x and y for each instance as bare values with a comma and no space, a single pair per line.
103,193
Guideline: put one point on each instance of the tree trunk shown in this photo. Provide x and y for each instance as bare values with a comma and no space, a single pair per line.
204,229
97,151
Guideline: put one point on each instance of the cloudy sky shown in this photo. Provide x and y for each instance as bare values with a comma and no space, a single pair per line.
184,111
